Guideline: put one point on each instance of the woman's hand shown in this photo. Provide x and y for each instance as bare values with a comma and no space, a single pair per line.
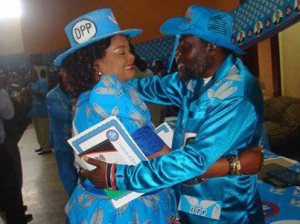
98,175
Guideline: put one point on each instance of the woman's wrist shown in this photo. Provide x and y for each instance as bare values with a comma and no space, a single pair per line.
110,176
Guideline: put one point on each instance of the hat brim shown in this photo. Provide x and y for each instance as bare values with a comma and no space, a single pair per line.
171,28
132,33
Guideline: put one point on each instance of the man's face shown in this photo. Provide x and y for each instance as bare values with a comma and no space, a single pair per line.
192,57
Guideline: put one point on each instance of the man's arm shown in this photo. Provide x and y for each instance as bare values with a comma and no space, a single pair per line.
167,90
55,108
251,162
228,127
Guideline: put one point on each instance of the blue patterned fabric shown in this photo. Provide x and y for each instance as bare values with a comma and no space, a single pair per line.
110,97
221,118
38,104
160,48
59,107
252,12
280,204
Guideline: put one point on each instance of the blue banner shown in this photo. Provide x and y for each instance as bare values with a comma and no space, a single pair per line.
257,20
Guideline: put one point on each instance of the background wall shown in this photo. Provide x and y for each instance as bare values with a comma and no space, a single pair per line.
289,61
11,40
41,30
43,21
265,67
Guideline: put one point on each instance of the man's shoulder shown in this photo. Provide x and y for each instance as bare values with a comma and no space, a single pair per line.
230,85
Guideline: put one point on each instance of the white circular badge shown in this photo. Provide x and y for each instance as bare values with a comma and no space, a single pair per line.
83,31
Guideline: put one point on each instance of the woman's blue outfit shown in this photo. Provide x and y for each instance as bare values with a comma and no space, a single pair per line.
110,97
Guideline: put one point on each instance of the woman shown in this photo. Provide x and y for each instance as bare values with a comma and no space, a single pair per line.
105,51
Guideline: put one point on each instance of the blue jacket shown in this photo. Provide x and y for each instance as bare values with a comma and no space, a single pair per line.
59,107
38,104
221,118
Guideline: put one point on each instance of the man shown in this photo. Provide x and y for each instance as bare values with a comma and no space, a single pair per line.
277,17
241,37
59,106
221,113
38,112
259,28
11,200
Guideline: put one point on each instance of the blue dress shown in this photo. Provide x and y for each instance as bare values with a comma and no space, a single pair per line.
219,119
112,97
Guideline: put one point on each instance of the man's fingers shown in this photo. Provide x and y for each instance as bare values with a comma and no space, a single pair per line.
84,173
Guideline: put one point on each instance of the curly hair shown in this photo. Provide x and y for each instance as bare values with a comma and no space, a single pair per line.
79,66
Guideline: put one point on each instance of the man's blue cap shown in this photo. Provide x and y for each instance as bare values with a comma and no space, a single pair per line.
208,24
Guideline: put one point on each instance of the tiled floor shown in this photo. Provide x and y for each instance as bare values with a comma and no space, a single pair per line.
43,192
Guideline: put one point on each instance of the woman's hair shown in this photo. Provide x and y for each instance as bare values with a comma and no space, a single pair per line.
79,66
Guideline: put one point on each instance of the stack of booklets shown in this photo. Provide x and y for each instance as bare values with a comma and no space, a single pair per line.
109,141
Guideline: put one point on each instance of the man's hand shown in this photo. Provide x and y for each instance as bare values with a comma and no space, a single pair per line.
251,160
98,175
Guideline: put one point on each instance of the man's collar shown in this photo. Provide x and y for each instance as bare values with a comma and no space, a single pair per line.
225,67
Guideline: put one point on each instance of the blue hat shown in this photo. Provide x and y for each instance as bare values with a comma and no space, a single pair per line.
90,28
208,24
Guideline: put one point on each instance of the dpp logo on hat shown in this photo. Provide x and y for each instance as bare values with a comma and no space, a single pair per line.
208,24
92,27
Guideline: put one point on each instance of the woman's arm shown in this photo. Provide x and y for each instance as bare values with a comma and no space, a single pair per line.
251,161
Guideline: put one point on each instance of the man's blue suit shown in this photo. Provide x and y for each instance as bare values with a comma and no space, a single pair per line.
59,107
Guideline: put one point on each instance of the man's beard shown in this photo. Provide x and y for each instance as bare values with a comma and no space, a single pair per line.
195,70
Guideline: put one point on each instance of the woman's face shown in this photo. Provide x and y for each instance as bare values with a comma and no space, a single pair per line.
118,59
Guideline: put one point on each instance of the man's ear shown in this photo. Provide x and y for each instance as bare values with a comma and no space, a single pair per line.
212,49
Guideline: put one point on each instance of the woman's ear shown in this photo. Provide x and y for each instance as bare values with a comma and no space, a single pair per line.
96,66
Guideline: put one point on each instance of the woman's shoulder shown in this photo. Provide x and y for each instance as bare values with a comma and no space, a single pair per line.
109,81
108,85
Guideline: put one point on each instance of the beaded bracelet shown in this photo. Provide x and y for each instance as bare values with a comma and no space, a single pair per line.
108,171
112,177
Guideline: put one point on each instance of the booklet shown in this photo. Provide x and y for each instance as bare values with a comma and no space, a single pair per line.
109,141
